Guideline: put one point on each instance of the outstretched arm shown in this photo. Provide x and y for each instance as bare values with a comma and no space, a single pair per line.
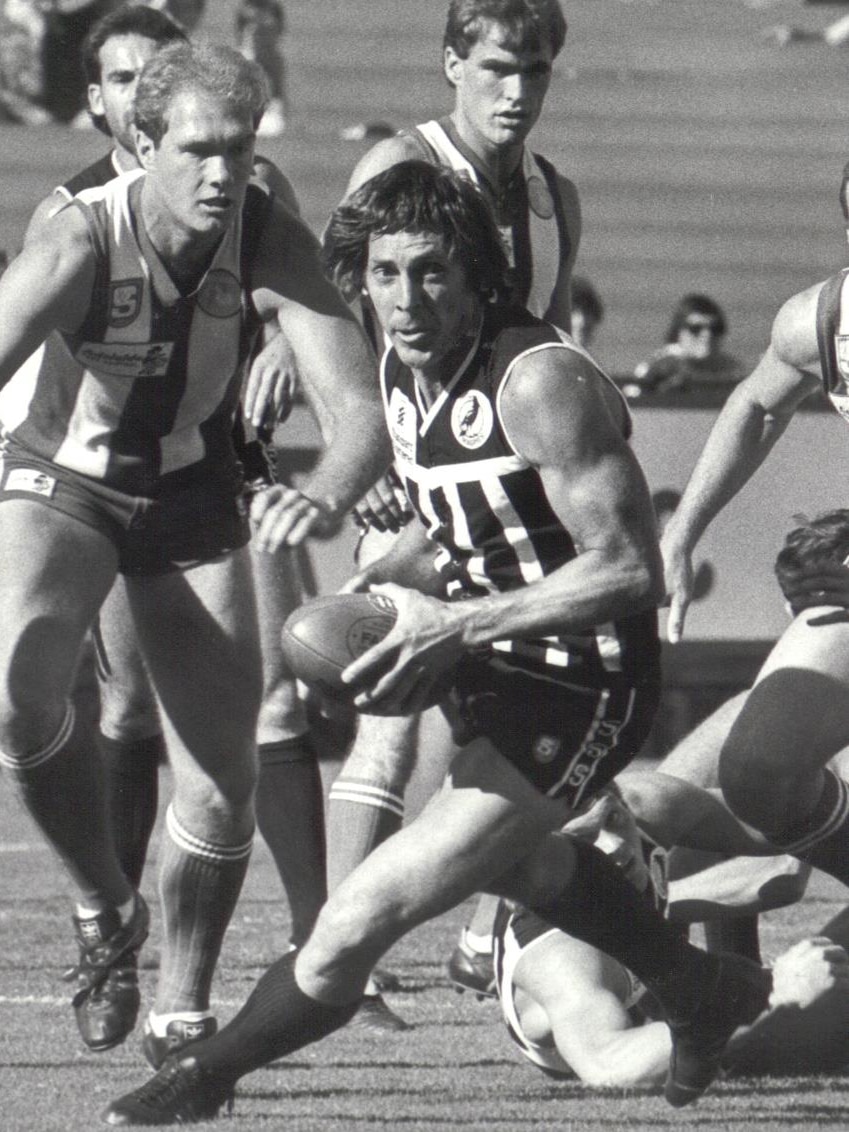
46,288
751,421
573,994
338,372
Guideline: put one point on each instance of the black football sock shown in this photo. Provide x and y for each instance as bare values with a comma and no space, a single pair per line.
601,907
290,817
277,1019
131,769
739,935
822,838
62,788
199,885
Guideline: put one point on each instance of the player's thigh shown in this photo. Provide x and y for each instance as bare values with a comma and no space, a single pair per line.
483,819
54,573
128,703
796,716
696,757
199,635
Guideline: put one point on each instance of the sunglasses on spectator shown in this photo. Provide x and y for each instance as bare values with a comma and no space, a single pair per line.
698,326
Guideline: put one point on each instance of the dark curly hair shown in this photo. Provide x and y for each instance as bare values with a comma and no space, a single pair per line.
414,196
817,541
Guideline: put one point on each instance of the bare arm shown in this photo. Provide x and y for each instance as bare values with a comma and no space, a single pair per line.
581,993
43,212
409,562
46,288
338,372
752,420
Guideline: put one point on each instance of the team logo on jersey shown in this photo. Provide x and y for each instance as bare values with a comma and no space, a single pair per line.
220,294
125,296
540,200
841,402
546,748
471,419
30,479
126,359
402,426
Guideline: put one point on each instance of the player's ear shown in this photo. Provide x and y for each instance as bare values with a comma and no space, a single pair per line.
452,65
145,149
95,100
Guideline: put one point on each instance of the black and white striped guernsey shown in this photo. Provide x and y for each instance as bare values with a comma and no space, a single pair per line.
485,506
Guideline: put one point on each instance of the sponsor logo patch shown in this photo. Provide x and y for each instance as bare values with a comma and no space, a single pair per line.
126,359
125,297
30,479
546,748
471,419
220,294
402,426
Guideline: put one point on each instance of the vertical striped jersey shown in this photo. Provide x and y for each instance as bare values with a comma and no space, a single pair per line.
484,505
833,340
148,386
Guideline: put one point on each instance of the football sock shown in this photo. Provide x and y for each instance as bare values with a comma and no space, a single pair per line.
822,838
361,814
159,1023
739,935
277,1019
480,944
290,817
132,796
600,906
52,784
199,884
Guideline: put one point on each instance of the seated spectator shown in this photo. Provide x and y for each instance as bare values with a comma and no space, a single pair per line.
587,311
693,356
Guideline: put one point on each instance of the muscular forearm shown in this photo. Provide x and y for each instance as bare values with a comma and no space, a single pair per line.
590,590
630,1057
741,439
408,563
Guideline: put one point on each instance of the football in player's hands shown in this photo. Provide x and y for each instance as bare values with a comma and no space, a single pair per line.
323,636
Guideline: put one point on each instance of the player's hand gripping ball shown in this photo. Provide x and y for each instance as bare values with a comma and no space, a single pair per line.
323,636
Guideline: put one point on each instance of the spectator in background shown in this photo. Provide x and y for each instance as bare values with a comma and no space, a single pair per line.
587,312
260,26
693,357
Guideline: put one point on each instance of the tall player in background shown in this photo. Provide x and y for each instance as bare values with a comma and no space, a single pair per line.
497,58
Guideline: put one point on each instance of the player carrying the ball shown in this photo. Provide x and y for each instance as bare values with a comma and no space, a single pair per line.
510,443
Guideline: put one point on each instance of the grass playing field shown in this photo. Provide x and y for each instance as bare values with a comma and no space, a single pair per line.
456,1069
707,159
